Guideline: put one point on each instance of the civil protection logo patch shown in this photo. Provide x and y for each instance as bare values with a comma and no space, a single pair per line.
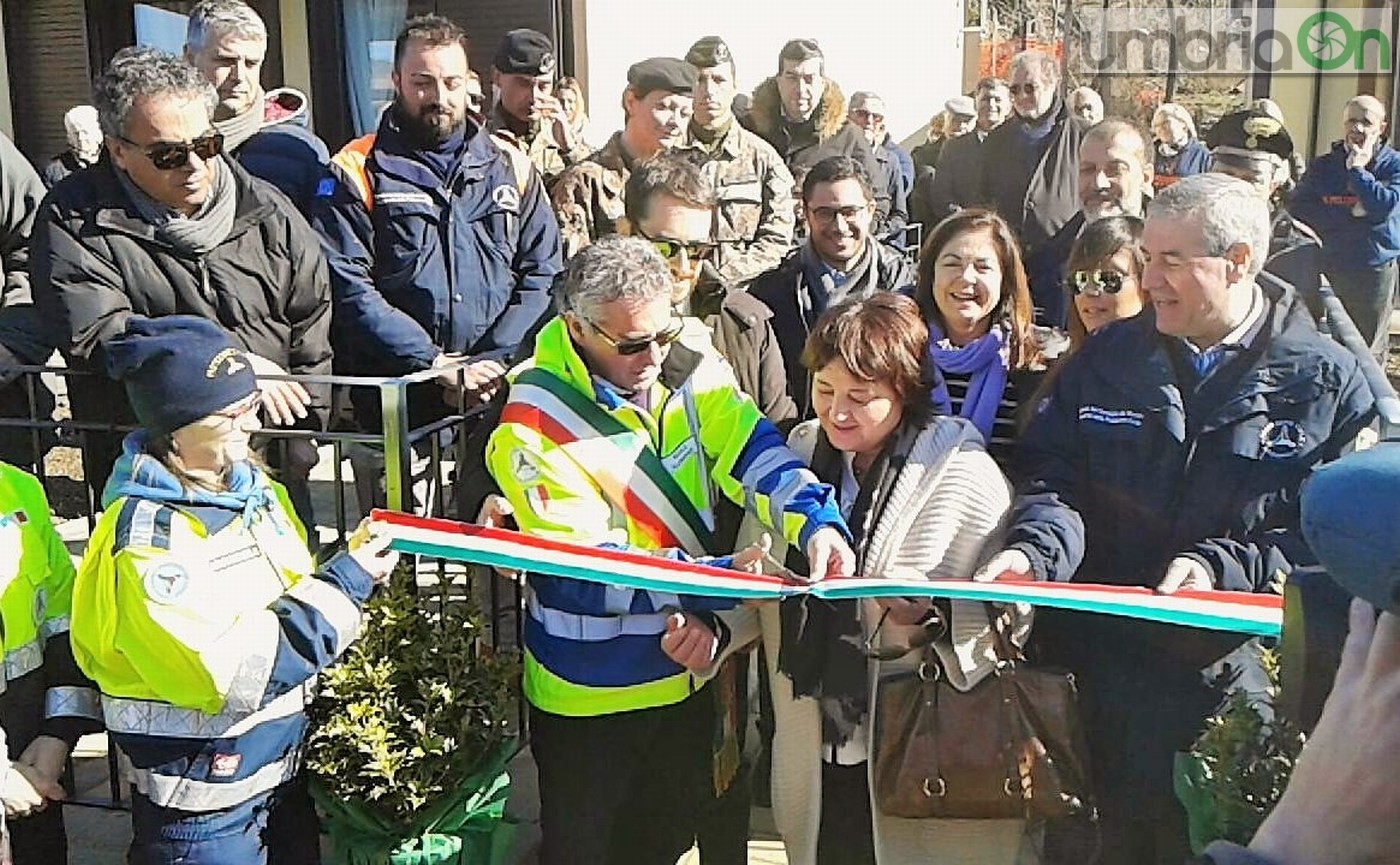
1281,439
166,582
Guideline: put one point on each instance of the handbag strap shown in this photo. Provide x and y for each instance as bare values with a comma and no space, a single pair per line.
1000,620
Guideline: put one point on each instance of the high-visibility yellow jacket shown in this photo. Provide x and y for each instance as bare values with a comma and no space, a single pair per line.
204,621
581,463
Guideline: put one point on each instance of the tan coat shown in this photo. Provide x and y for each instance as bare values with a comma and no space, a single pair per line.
948,501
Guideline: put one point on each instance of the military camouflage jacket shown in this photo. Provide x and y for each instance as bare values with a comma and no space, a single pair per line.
756,207
587,197
539,146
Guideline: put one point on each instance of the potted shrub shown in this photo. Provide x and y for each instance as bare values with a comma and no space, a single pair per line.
411,734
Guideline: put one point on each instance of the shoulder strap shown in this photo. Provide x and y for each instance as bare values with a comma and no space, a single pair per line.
646,492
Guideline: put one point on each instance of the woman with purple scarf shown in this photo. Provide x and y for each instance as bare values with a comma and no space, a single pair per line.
972,290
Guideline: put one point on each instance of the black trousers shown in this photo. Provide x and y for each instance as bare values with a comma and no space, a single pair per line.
621,789
847,830
1369,297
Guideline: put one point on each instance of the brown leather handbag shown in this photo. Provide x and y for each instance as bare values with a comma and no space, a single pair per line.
1010,748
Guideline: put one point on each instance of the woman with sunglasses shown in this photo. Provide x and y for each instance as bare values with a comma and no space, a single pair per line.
973,293
200,614
921,496
1105,276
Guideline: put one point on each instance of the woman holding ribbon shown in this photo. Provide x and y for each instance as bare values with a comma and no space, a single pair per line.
921,496
973,293
201,616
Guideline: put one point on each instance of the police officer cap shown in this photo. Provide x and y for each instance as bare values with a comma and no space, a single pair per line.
662,73
1251,131
1350,510
525,52
961,106
709,51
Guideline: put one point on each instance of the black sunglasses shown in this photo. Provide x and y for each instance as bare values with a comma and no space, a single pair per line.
672,250
629,347
168,155
1102,282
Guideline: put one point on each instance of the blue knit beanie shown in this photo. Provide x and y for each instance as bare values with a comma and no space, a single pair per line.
178,369
1351,520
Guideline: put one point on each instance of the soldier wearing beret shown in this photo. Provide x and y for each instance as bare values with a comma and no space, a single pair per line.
587,197
527,117
754,221
1254,146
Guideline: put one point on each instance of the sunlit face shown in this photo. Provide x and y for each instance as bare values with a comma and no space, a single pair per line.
801,87
1189,290
1363,126
967,284
714,96
624,322
1097,308
1088,109
234,66
166,119
519,95
870,119
676,227
857,414
1172,130
959,125
992,106
1032,94
838,220
657,120
1112,176
568,102
215,442
430,86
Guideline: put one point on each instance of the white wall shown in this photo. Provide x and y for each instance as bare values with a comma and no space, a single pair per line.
908,51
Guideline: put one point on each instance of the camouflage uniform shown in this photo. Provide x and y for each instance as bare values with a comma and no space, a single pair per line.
538,146
587,197
756,208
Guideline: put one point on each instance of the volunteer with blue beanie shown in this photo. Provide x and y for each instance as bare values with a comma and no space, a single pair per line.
200,614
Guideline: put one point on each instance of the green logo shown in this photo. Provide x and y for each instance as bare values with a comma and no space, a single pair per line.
1327,40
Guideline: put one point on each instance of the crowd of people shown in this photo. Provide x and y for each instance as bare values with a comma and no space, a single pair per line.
704,339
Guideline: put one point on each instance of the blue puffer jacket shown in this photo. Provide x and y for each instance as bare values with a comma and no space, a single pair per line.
1120,477
1326,195
285,153
420,266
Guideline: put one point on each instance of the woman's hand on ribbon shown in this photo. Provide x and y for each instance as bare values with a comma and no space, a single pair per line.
828,554
1006,565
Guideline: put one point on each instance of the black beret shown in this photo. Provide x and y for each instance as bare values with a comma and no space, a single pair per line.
709,51
1251,131
662,73
525,52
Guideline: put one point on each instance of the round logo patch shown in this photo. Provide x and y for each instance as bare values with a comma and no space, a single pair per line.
166,582
507,197
1281,439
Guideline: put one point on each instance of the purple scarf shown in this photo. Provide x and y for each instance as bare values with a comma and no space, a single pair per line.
982,361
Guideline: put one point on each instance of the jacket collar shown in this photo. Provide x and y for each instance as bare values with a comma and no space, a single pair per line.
556,353
395,155
767,118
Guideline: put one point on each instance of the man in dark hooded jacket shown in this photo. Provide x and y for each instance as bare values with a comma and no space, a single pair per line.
802,113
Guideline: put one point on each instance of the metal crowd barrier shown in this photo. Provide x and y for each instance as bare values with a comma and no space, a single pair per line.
417,464
1344,331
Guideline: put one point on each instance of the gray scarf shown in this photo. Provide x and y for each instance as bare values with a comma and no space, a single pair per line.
819,290
192,235
240,127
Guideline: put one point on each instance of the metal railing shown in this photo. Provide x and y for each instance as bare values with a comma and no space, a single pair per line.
1343,330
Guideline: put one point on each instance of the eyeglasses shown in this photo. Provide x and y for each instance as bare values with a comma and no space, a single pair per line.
676,250
168,155
637,345
1096,282
242,409
861,112
827,215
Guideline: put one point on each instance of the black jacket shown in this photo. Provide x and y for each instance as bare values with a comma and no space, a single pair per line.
743,333
826,133
1035,204
784,291
957,182
21,190
1119,476
96,262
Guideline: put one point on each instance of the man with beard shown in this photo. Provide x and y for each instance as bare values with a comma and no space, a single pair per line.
526,116
958,181
839,259
438,254
802,113
754,224
265,132
1115,173
657,105
1028,170
896,168
1351,197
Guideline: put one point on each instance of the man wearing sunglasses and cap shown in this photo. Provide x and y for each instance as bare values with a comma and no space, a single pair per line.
526,116
167,224
656,104
618,433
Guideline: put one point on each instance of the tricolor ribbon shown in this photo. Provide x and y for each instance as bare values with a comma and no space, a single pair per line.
1239,612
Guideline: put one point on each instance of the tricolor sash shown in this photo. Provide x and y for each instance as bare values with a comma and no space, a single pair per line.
622,461
1239,612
